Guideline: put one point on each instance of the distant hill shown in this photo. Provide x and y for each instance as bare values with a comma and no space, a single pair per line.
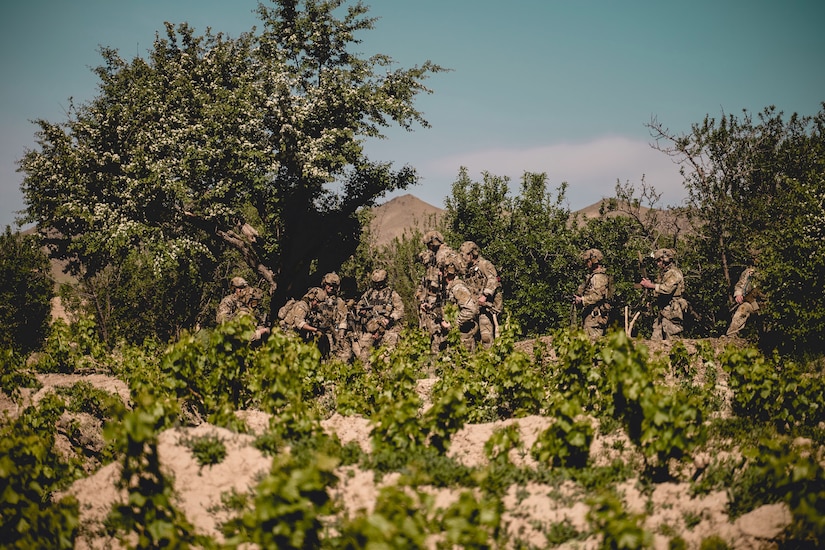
404,213
408,212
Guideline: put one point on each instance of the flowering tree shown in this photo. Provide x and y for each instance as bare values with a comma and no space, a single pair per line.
213,146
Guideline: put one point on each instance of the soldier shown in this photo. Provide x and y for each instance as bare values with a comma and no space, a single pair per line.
459,294
594,294
231,303
252,298
432,292
668,289
335,309
379,312
746,294
307,320
481,278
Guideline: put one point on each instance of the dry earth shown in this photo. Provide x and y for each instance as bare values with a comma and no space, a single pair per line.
529,510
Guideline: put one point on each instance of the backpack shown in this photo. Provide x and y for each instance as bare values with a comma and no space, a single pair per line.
286,314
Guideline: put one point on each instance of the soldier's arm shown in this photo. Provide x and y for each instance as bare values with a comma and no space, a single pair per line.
669,283
597,291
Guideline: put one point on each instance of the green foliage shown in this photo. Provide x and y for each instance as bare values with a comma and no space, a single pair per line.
665,423
83,397
73,347
567,441
207,374
149,512
169,300
769,390
757,181
207,133
207,449
13,376
26,290
618,528
399,521
780,471
288,505
527,237
471,522
29,473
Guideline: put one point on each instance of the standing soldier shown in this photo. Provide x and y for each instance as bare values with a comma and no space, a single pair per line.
380,312
481,278
432,291
594,294
746,294
459,294
668,289
231,303
335,309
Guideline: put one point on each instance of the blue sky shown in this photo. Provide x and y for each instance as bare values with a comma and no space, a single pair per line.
563,87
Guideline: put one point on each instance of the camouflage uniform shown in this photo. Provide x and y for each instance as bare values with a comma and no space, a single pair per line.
335,311
306,318
746,294
379,312
669,288
250,301
481,278
467,302
229,306
432,293
594,294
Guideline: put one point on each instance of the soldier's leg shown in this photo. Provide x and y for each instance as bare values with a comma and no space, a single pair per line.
467,334
592,326
740,317
365,347
657,329
390,338
486,329
671,328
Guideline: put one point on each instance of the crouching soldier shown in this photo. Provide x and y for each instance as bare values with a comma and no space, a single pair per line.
335,309
305,317
379,312
746,296
253,298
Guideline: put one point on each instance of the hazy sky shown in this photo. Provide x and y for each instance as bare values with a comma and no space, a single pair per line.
563,87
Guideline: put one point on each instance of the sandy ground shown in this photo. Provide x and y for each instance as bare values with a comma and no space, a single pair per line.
530,510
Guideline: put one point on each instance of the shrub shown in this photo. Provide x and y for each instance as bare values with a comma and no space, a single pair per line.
26,290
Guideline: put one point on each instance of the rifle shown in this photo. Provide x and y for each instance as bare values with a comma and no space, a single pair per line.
645,305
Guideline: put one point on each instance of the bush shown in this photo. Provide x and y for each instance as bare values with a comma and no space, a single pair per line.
25,292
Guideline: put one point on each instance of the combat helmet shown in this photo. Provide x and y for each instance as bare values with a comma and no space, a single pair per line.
433,237
469,248
315,293
379,277
667,255
331,279
593,254
238,282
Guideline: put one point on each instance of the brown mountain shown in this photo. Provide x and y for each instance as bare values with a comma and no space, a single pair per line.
408,213
402,214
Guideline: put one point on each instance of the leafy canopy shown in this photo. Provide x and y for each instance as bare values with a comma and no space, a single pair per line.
212,144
